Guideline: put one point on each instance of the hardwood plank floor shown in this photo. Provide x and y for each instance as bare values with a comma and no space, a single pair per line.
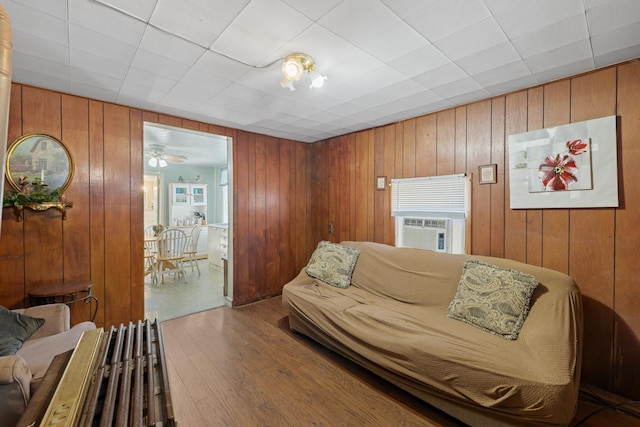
244,367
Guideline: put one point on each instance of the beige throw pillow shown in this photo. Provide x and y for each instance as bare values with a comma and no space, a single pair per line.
333,263
492,298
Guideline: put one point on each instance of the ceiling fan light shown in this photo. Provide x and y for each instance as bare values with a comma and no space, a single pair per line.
162,163
317,79
287,84
153,162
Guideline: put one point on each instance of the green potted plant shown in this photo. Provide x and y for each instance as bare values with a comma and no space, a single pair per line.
31,193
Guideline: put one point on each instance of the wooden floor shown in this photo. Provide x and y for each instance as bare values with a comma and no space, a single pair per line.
243,367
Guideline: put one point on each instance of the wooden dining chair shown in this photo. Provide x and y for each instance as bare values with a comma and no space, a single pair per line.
192,248
150,249
171,244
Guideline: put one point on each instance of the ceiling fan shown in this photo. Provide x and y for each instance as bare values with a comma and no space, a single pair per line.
158,158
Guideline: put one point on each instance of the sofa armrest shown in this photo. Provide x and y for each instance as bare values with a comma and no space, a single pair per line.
13,369
57,319
15,389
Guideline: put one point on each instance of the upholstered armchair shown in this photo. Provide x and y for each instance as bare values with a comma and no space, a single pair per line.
21,373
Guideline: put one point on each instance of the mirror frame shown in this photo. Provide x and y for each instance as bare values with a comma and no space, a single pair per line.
58,161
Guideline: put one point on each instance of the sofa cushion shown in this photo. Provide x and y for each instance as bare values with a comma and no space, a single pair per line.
15,329
492,298
333,263
39,353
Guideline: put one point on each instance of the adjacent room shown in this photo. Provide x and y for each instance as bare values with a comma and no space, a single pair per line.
291,213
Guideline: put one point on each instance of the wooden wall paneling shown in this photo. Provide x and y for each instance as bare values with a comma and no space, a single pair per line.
460,140
77,249
479,153
515,242
498,189
362,190
97,209
371,191
626,369
409,148
315,196
591,239
555,224
286,201
351,170
242,288
117,195
445,147
324,174
272,217
379,170
426,162
258,247
389,171
41,112
136,133
344,192
397,159
12,274
300,215
535,105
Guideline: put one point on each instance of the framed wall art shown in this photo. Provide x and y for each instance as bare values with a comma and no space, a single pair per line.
569,166
41,157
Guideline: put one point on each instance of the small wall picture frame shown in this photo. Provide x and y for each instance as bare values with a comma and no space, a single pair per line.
487,174
381,183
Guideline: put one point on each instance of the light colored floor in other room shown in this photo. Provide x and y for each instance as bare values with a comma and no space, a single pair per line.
174,298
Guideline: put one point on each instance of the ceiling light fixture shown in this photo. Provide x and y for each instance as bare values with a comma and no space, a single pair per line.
294,66
157,161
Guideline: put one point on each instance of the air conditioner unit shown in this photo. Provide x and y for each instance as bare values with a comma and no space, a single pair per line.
425,233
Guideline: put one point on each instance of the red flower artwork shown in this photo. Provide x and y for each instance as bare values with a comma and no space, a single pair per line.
557,172
576,147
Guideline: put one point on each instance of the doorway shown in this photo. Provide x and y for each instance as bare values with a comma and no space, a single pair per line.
187,184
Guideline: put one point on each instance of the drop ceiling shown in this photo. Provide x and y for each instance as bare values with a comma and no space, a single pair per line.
218,61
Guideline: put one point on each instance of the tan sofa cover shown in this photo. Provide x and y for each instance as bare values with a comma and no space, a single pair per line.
392,320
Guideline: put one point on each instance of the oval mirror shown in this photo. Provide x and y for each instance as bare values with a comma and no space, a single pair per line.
39,156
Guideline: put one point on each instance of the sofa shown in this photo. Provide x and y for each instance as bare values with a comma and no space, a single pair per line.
434,325
34,336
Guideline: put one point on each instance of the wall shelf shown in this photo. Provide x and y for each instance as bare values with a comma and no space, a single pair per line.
61,206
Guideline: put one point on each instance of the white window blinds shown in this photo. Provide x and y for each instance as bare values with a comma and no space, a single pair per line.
427,195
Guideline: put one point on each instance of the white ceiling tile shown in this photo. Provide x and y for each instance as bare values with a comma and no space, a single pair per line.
554,36
139,77
502,73
95,63
200,21
557,58
607,17
457,87
141,9
440,76
42,79
477,37
250,37
616,46
420,61
437,19
176,49
57,8
37,24
313,10
564,70
489,59
104,20
38,47
25,62
504,87
102,81
526,16
86,40
94,92
160,65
